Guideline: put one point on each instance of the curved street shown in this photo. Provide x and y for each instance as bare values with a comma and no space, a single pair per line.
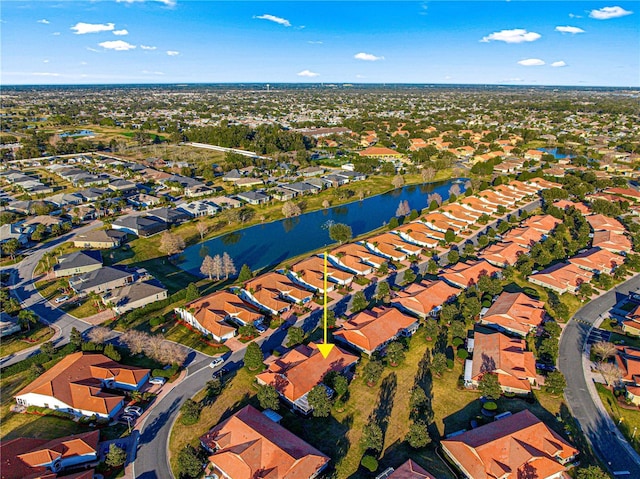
584,403
24,289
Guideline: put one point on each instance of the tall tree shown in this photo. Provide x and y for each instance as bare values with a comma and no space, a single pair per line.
268,397
245,273
26,318
253,357
398,181
10,247
227,265
489,386
340,232
290,209
202,228
319,401
171,244
209,267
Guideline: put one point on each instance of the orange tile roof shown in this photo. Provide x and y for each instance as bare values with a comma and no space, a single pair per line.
212,310
302,368
581,207
602,222
505,356
542,223
563,276
515,312
357,257
311,271
441,222
460,213
596,259
393,246
628,192
369,330
250,445
410,470
522,236
466,274
507,448
76,381
492,198
267,288
379,151
476,204
628,361
418,232
26,458
544,184
423,297
502,254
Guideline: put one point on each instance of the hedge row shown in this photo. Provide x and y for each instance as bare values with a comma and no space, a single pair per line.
165,373
44,411
39,358
136,314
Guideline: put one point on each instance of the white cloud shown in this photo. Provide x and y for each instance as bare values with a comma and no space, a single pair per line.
147,72
573,15
124,31
569,29
558,64
147,47
531,62
368,57
606,13
83,63
172,53
360,76
315,43
118,45
55,34
45,61
308,74
168,3
273,18
45,74
517,35
44,21
84,28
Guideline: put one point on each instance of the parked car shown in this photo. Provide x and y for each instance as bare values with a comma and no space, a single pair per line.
158,380
216,362
261,327
61,299
128,418
134,410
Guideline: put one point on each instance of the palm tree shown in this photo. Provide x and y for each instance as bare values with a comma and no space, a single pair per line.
26,317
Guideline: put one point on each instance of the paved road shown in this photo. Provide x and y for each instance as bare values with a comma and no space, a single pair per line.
602,433
24,289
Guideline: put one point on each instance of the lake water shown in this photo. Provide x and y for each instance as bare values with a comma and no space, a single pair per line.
268,244
554,152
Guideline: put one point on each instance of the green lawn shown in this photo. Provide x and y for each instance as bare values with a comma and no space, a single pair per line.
627,420
49,289
183,335
86,308
17,342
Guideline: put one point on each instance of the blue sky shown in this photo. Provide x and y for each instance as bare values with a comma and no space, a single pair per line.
188,41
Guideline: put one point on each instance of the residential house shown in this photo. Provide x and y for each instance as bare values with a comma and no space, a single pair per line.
99,239
197,208
275,292
310,171
425,299
139,225
502,254
75,385
124,187
371,331
19,231
418,233
356,258
566,204
170,216
381,153
602,222
302,188
133,296
628,361
78,262
439,222
466,274
143,200
522,236
248,445
282,194
225,202
629,193
473,203
298,371
597,260
631,325
409,470
459,213
610,241
30,458
494,199
213,314
514,313
101,280
544,224
392,246
495,353
310,272
254,197
515,447
562,278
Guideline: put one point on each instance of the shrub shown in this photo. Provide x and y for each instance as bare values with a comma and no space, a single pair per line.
457,342
166,373
156,321
449,363
370,463
41,359
490,406
462,354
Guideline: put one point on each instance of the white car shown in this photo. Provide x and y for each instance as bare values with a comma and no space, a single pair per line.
61,299
134,410
216,362
158,380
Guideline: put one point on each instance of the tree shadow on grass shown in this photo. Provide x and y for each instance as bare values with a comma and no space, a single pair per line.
383,408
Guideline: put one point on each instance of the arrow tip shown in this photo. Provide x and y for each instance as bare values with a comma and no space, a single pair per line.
325,349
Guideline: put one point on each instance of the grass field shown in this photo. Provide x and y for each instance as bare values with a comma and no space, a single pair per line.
17,342
84,309
627,420
183,335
